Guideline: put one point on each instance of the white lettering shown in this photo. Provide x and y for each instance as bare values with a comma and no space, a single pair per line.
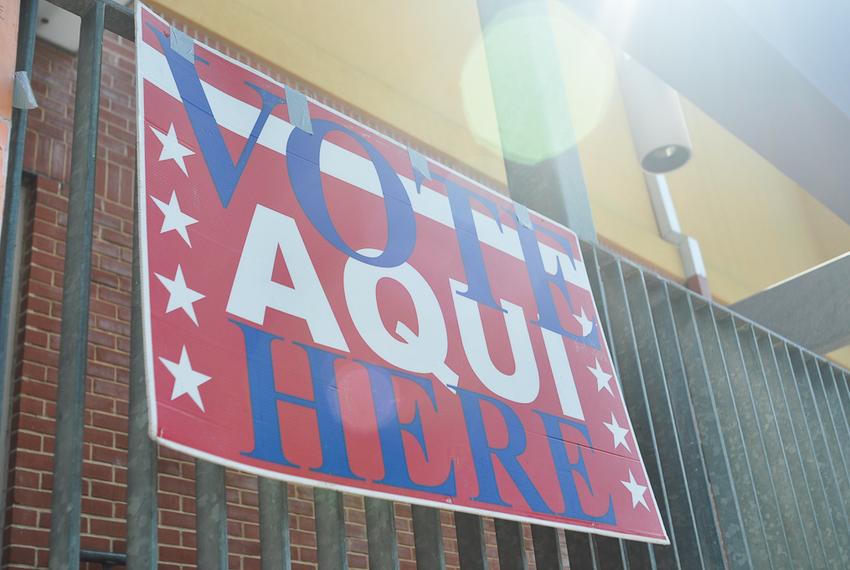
424,352
563,373
523,384
254,291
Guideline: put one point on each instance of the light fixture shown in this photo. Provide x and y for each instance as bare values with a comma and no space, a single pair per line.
655,116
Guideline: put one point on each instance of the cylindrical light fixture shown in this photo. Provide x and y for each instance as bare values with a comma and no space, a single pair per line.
656,119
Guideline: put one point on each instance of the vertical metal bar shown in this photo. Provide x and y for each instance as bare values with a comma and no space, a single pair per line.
834,427
141,462
634,391
380,533
547,548
844,391
836,494
814,473
724,496
330,529
275,551
831,389
633,387
428,538
580,549
741,469
510,543
846,397
580,554
10,246
777,465
681,522
608,553
73,348
751,426
829,423
210,515
681,402
471,547
791,451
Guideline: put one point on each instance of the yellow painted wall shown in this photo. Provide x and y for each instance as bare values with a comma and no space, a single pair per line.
419,68
422,71
841,356
402,62
755,225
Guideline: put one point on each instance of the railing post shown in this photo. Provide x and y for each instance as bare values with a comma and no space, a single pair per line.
330,529
142,457
748,400
428,538
511,546
275,551
380,533
803,484
759,378
579,552
471,548
210,515
9,246
73,353
717,386
681,522
634,390
608,552
547,548
710,430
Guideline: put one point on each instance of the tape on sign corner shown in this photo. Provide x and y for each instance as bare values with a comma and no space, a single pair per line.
419,163
299,112
22,95
182,44
522,215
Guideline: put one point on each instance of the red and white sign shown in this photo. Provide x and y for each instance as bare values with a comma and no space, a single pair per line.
324,306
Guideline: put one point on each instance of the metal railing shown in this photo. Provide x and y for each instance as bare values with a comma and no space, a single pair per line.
742,432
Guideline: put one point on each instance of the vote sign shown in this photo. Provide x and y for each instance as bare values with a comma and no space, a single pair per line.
322,305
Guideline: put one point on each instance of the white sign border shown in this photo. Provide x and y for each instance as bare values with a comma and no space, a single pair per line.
144,277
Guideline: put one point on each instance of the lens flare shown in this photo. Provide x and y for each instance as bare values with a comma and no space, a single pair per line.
552,76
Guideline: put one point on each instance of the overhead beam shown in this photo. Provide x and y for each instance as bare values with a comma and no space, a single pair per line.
707,52
118,18
811,309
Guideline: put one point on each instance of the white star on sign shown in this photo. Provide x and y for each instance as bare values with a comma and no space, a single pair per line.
179,295
603,379
172,149
637,491
618,432
586,324
186,380
174,219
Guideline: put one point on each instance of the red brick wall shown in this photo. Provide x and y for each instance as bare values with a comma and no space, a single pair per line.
105,449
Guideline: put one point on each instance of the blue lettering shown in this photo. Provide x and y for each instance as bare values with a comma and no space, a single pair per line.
542,279
225,174
567,469
390,429
478,286
302,151
265,397
483,452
